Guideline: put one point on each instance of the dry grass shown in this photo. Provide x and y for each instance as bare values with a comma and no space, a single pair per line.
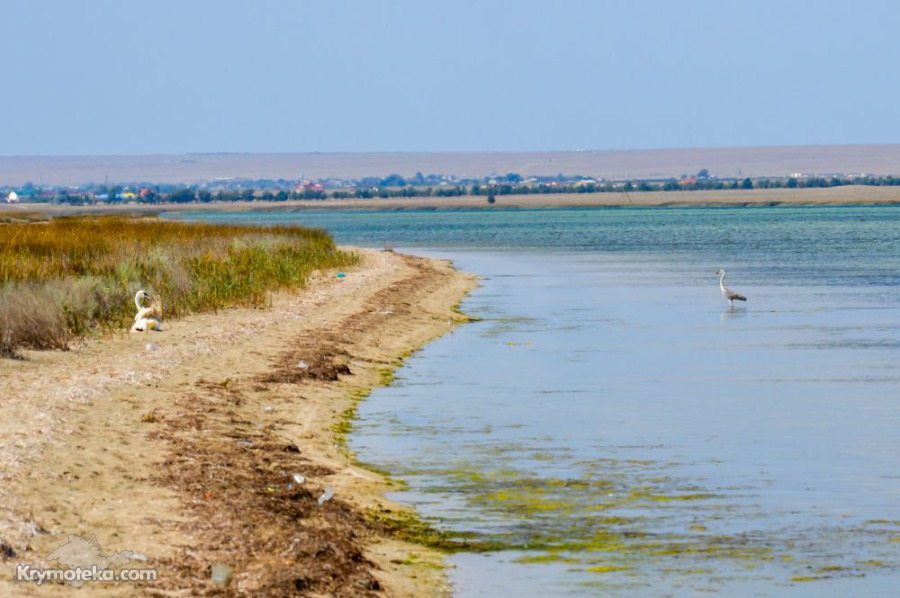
71,276
21,216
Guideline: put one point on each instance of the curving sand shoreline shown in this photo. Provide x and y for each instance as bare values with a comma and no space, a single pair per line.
185,453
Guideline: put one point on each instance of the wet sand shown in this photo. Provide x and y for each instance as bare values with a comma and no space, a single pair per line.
182,446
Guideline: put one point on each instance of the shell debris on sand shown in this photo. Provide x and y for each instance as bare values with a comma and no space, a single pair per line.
327,495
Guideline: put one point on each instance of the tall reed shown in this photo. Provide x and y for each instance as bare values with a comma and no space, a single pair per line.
74,275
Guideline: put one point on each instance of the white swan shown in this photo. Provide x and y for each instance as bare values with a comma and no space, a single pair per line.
729,294
147,318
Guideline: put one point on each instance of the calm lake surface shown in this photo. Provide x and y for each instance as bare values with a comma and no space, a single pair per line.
622,431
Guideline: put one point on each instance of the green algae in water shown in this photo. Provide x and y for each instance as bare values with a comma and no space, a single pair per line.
607,569
621,518
409,526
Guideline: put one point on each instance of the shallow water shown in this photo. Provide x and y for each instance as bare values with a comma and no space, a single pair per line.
614,421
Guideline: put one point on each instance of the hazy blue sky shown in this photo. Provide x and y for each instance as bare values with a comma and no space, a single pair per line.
170,76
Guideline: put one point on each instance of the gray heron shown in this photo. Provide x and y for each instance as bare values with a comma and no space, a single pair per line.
732,296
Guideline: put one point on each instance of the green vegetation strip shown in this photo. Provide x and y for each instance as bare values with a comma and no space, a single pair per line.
76,275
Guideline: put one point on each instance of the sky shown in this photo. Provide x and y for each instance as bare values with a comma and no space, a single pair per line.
108,77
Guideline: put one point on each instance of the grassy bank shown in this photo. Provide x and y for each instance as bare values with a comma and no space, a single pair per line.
72,276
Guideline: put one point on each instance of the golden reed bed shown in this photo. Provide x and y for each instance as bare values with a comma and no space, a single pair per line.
69,276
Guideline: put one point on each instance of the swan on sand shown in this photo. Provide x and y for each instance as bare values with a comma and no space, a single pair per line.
147,318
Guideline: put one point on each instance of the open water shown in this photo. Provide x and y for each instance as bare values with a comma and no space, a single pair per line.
611,427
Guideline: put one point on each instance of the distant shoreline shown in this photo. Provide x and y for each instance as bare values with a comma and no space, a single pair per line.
850,195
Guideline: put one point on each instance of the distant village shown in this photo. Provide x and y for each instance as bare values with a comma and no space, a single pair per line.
395,185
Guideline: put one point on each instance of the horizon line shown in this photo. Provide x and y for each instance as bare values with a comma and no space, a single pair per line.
448,151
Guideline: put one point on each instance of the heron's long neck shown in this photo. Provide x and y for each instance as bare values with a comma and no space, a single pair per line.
722,283
137,301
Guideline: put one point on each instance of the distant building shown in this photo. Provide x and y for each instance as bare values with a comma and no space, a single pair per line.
13,197
309,186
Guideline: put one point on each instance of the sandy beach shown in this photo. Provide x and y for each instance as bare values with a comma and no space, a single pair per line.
833,196
213,442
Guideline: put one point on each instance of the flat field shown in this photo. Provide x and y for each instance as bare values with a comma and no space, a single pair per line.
636,164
